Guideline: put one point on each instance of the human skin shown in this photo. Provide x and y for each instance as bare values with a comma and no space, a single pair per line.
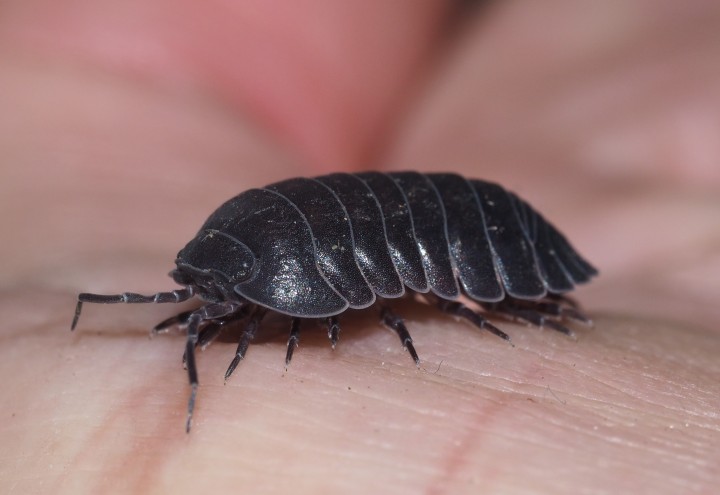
112,160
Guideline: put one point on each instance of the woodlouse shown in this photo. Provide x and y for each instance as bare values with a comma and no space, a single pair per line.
314,247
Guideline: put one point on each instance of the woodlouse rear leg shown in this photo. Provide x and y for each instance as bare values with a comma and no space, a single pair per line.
293,340
563,299
462,311
247,336
551,309
397,324
555,309
576,315
529,316
458,309
568,308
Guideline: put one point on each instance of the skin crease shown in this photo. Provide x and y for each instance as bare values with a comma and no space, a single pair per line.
114,152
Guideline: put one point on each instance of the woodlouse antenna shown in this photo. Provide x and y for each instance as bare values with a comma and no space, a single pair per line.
174,296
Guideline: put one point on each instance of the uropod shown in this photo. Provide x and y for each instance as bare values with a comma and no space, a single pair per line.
311,248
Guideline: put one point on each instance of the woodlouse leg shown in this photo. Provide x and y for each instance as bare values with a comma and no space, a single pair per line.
245,339
397,324
554,309
206,335
533,317
193,324
562,298
208,312
293,340
166,324
211,331
333,330
174,296
462,311
576,315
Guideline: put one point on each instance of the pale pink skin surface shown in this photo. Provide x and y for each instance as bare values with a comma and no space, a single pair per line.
124,126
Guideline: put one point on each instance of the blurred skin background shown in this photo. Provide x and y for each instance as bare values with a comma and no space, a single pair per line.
124,124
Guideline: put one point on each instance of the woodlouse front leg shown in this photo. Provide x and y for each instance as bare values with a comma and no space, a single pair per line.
193,324
211,329
179,319
207,312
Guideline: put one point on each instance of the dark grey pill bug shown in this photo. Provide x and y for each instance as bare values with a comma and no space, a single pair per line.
311,248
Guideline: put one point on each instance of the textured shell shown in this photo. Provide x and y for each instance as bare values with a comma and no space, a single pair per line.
313,247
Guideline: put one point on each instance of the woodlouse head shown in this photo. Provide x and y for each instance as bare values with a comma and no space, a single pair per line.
214,260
